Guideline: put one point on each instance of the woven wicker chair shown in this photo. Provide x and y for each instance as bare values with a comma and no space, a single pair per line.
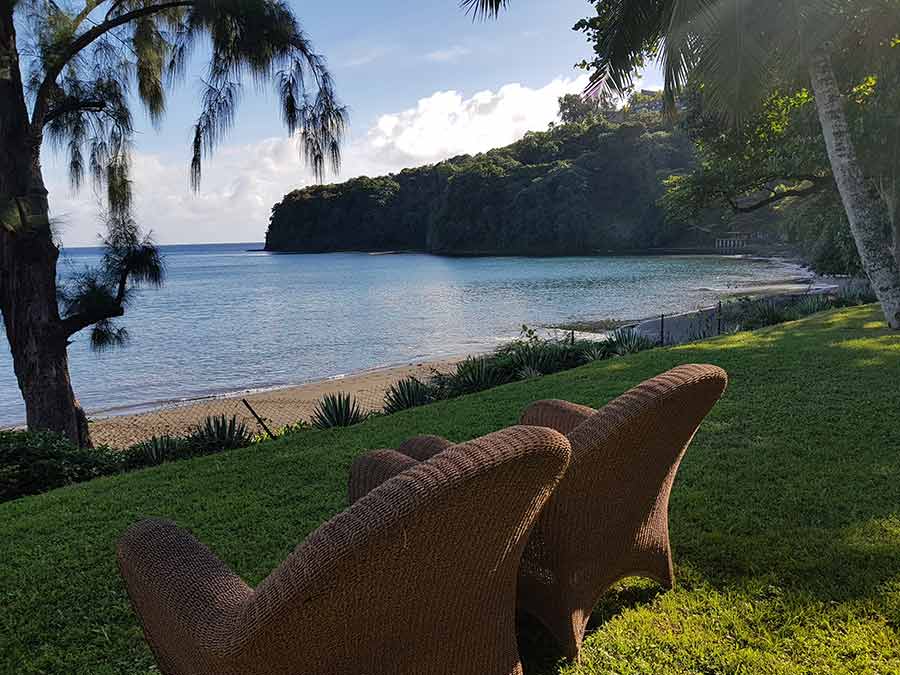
417,577
608,519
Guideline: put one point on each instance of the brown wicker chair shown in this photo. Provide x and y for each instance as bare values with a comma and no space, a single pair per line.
417,577
608,519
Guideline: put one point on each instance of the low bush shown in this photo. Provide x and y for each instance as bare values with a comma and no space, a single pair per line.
528,373
594,351
34,462
855,292
337,410
155,451
473,375
753,313
812,304
628,341
219,433
405,394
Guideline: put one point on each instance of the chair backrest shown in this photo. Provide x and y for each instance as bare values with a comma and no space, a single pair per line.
624,460
418,576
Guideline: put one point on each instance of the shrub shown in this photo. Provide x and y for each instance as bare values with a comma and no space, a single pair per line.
594,351
473,375
34,462
405,394
155,451
855,292
812,304
628,341
337,410
219,433
528,373
750,314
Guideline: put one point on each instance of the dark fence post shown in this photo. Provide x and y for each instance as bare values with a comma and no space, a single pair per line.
719,318
662,329
258,419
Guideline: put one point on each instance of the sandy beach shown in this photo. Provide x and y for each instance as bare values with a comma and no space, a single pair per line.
277,407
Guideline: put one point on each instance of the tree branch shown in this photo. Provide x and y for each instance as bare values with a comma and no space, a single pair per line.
73,105
76,322
42,99
775,197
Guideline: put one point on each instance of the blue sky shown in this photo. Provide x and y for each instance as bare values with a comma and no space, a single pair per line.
422,80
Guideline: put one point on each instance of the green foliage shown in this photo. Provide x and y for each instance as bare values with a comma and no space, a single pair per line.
81,66
754,313
581,109
337,410
157,450
595,352
528,373
626,341
856,292
217,433
576,188
473,375
405,394
754,121
812,304
783,520
37,461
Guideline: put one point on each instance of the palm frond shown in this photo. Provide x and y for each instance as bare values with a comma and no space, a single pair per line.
484,9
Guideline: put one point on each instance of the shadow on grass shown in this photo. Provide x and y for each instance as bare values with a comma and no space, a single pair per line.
539,651
789,497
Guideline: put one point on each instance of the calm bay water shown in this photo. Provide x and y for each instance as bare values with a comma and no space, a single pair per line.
229,319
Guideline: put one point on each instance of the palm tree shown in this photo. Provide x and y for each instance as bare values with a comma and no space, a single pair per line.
733,47
68,77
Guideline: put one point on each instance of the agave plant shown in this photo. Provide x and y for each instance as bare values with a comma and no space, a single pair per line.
812,304
594,351
156,450
220,433
628,341
337,410
765,312
529,373
474,374
856,292
405,394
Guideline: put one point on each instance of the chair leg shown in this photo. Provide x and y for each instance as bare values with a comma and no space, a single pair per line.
567,628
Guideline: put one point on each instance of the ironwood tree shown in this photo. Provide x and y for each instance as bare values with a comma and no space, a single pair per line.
67,80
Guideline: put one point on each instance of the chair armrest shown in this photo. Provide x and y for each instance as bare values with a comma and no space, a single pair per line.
561,416
374,468
424,447
186,598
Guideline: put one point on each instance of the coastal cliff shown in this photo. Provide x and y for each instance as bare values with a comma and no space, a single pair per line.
575,189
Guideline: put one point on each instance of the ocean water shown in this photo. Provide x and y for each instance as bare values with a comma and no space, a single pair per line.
229,318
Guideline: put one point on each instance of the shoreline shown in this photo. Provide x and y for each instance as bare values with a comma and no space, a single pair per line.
278,406
284,404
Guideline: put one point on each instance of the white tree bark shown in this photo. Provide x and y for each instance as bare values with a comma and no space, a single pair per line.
869,221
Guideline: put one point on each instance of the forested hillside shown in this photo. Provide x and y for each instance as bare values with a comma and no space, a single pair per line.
578,188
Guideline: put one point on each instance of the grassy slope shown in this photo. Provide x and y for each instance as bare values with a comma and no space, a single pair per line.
785,517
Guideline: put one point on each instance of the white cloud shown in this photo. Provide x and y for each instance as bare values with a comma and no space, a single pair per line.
448,55
366,57
242,182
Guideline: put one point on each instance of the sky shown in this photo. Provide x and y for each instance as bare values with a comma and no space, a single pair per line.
422,81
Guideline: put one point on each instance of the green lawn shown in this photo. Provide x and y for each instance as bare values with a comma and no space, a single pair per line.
785,517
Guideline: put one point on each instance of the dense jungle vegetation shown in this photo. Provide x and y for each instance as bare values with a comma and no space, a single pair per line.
586,186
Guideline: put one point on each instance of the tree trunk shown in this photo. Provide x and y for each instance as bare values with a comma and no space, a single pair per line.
28,294
868,217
